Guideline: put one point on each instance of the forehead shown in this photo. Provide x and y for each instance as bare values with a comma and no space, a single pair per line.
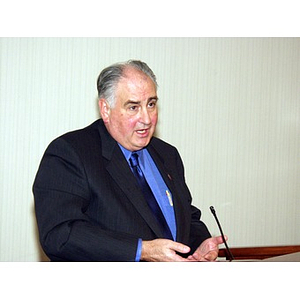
135,81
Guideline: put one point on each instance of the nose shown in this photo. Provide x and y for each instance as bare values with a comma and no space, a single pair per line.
145,117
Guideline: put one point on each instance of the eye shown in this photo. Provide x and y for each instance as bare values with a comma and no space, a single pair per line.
133,107
152,104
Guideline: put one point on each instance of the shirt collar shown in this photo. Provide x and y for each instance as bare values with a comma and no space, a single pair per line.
127,153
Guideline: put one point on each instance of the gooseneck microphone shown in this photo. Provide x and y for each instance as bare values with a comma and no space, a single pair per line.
229,254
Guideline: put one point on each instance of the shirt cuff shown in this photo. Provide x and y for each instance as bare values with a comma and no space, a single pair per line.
138,250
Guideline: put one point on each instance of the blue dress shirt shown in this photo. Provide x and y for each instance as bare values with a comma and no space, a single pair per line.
159,189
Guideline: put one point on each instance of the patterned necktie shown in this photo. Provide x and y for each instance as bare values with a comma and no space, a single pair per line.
147,192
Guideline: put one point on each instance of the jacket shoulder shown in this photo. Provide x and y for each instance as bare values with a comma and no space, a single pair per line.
82,134
159,143
85,142
163,147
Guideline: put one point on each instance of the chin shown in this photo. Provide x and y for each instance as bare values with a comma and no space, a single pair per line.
140,146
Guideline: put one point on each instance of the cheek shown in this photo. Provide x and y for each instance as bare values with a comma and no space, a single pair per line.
126,125
154,119
131,122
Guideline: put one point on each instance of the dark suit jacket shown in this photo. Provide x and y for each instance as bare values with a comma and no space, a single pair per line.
89,207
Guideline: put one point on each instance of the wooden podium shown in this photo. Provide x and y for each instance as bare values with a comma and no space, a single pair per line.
270,253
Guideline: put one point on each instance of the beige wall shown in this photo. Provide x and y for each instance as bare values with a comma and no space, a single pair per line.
230,106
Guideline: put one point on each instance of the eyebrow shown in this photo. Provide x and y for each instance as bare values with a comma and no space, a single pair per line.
138,102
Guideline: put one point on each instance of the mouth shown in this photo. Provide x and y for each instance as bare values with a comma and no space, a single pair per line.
142,132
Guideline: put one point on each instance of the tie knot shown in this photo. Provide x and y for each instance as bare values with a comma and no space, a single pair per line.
134,160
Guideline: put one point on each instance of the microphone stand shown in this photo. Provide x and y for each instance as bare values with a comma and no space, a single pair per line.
229,254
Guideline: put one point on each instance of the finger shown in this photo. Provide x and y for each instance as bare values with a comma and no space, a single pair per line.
191,258
211,255
226,237
219,239
178,258
181,248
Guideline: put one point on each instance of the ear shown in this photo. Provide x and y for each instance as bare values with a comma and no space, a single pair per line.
104,109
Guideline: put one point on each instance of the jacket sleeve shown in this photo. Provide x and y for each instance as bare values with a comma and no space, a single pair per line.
198,231
62,194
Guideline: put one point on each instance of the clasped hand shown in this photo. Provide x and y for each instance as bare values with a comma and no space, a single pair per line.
167,250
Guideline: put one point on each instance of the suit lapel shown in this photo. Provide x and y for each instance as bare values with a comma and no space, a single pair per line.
120,171
179,209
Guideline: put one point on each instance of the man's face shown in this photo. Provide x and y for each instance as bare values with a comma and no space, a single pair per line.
132,121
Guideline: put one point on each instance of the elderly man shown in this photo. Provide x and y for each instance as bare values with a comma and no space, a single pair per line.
114,192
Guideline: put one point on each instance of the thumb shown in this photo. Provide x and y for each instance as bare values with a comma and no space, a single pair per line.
219,239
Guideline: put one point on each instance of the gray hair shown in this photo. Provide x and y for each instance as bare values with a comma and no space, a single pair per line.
108,79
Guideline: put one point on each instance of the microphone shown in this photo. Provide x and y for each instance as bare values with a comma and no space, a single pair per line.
229,254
